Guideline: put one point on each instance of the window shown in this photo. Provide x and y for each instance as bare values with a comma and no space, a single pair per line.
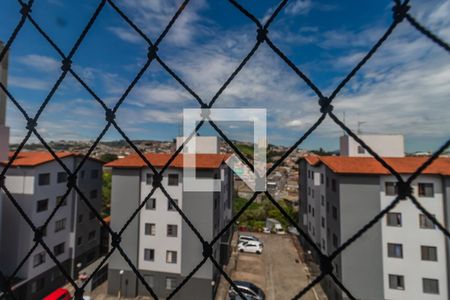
149,179
58,249
150,229
170,283
390,188
333,185
149,254
60,225
61,177
428,253
150,204
430,286
335,241
425,222
169,204
42,205
39,259
93,194
79,240
59,199
361,150
395,250
426,190
322,201
394,219
172,230
309,208
334,212
173,179
171,257
91,235
94,174
396,282
44,179
80,218
322,179
38,285
323,222
313,211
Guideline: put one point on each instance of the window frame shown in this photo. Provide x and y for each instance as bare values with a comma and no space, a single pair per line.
397,217
170,178
40,179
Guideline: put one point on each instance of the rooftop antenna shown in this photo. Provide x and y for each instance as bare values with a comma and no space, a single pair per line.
359,126
343,118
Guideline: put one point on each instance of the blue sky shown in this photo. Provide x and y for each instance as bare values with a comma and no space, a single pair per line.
403,89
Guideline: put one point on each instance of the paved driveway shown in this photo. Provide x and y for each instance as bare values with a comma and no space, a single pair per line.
278,270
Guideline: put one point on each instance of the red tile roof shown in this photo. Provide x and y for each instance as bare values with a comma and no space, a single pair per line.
368,165
35,158
158,160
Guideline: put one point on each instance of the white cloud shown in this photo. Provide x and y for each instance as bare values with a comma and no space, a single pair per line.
29,83
153,16
126,34
39,62
299,7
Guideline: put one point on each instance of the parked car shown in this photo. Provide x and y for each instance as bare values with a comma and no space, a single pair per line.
248,289
266,230
245,238
250,247
59,294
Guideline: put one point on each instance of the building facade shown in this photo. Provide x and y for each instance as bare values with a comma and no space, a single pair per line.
38,183
157,241
403,256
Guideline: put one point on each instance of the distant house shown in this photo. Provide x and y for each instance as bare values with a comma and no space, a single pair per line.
38,183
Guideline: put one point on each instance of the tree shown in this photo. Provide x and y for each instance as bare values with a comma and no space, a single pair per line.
106,193
107,157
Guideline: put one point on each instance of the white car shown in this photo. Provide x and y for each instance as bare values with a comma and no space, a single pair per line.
250,247
246,238
266,230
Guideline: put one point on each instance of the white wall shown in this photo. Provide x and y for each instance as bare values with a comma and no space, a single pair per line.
204,144
161,217
411,236
383,145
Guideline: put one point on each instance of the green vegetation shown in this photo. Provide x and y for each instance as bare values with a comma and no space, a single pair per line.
254,217
107,157
106,193
247,150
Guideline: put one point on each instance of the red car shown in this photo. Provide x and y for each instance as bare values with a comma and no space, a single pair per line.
59,294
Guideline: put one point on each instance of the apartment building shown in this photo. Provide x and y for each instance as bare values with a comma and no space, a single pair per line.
157,241
38,182
403,256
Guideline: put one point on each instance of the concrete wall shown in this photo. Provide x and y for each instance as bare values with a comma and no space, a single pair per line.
362,262
446,198
203,144
125,197
383,145
411,237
